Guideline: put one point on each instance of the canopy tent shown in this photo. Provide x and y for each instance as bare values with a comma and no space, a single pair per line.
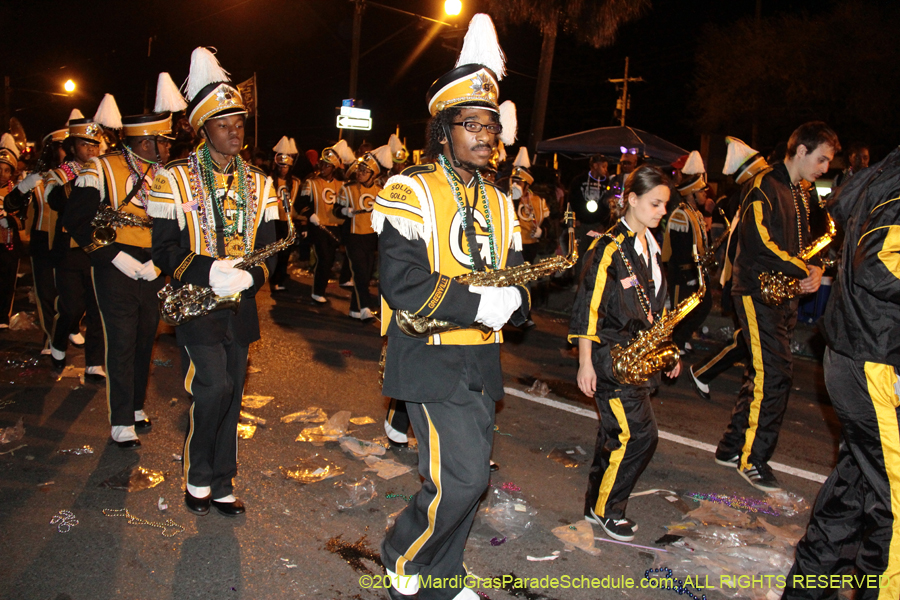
610,141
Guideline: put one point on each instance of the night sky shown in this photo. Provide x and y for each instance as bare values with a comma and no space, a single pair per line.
300,50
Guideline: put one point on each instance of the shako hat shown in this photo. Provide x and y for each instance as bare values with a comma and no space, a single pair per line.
209,91
283,152
85,129
742,161
694,175
9,152
521,166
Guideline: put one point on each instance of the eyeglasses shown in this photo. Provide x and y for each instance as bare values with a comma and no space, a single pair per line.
475,127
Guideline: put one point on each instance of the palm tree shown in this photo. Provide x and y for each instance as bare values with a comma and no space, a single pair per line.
594,22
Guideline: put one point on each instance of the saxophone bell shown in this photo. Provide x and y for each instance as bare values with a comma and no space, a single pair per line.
104,236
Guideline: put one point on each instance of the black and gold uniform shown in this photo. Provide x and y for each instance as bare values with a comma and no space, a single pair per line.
856,519
10,243
289,190
685,230
205,216
317,199
610,308
773,228
72,267
126,281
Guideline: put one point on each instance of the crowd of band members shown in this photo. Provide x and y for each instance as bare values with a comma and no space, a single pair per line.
331,208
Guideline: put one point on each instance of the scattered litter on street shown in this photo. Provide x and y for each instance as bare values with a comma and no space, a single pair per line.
168,528
78,451
252,419
22,321
508,513
64,521
578,535
253,401
313,414
361,448
553,556
358,493
8,435
312,470
386,468
134,479
538,388
245,431
565,457
330,431
362,420
161,504
354,553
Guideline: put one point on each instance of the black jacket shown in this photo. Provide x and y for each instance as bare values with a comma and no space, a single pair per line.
862,320
607,307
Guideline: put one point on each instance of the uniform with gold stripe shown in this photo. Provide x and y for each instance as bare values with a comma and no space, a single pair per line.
290,189
451,380
362,241
685,230
72,274
856,518
128,303
317,198
607,311
772,232
214,346
10,252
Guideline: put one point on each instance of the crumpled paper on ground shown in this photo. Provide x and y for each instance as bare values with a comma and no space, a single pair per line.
330,431
253,401
313,414
358,493
9,435
539,388
134,479
248,418
786,503
245,431
22,321
78,451
385,467
581,537
713,513
362,420
312,470
361,448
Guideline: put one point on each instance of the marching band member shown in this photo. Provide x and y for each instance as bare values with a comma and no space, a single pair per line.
287,187
10,244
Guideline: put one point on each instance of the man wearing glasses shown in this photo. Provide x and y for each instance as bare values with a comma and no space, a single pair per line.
126,281
435,222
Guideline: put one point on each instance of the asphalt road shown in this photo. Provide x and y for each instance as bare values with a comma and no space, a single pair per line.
313,355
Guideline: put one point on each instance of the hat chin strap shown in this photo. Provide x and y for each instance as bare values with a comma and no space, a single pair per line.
209,141
453,159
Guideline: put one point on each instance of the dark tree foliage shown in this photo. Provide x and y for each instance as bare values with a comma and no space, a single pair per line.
593,22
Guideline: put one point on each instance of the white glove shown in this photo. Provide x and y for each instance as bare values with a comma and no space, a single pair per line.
347,211
497,305
129,265
225,280
4,223
28,184
148,271
314,219
538,232
221,272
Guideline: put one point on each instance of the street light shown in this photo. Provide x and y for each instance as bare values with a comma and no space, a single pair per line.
69,86
453,7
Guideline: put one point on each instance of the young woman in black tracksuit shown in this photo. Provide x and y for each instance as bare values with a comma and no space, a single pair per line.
622,291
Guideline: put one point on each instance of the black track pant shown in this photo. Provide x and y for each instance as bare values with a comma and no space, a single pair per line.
429,536
325,251
762,401
626,441
713,366
130,312
75,299
856,519
694,319
9,268
361,250
44,291
214,376
397,417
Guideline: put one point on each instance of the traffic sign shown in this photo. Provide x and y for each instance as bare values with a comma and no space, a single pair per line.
348,122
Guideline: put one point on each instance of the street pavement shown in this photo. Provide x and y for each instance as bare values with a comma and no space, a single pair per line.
315,356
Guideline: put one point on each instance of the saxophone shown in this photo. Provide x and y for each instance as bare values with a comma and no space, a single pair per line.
708,260
107,220
776,288
188,302
416,326
652,350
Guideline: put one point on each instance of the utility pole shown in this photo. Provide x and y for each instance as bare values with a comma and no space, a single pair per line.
623,102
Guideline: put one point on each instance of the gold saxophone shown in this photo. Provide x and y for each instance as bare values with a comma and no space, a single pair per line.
416,326
708,261
652,350
776,288
188,302
108,219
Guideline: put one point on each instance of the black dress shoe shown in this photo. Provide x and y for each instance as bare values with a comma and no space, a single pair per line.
198,506
95,378
701,393
397,445
395,595
127,444
58,363
494,467
230,509
143,426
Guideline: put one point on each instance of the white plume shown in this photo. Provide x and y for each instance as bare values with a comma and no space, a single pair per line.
694,164
108,113
344,151
8,142
738,153
75,114
384,156
395,144
508,122
480,46
522,159
501,152
205,69
293,147
283,146
168,98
